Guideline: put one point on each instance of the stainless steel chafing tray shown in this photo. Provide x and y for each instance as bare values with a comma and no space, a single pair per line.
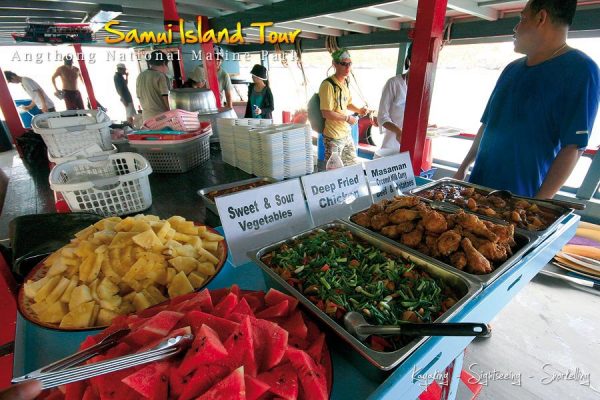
464,287
210,204
561,212
525,241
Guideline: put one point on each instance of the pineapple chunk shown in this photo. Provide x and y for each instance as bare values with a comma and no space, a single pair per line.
32,287
211,237
122,239
105,317
155,293
66,297
80,295
85,233
187,227
211,246
140,302
147,239
171,272
39,308
58,290
54,313
113,303
106,289
80,316
45,290
58,267
186,251
205,255
206,268
185,264
180,285
162,232
196,279
140,226
86,267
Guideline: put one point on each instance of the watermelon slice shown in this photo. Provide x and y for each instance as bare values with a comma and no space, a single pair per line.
283,381
254,387
177,381
231,388
235,289
294,324
75,390
256,300
152,311
222,326
186,330
278,310
202,301
151,381
312,377
205,377
206,349
243,308
110,387
240,348
154,328
274,297
295,341
270,343
316,348
225,306
90,394
218,294
88,342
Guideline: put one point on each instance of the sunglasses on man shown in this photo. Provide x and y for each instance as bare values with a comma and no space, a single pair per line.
344,63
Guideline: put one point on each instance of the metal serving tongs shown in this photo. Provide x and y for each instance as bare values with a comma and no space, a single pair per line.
65,371
507,195
356,324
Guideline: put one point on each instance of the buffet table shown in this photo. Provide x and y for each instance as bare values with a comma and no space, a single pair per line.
176,195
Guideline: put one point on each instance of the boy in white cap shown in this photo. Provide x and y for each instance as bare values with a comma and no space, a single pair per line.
121,79
336,101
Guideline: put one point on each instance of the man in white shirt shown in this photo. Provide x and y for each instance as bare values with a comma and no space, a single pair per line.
198,78
391,111
37,94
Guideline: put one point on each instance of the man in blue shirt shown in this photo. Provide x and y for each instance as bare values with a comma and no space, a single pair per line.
540,115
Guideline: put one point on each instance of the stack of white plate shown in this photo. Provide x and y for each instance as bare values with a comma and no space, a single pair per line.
297,155
225,127
270,158
243,151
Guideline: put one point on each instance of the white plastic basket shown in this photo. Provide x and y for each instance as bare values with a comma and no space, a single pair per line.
93,150
67,132
115,184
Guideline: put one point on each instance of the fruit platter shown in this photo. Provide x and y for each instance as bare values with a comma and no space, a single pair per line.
247,345
120,266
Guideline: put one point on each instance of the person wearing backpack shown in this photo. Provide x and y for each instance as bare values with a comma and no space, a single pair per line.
334,102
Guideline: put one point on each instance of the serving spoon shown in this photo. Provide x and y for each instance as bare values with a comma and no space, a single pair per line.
505,194
356,324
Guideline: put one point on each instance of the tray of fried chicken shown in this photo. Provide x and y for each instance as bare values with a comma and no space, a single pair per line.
474,245
527,214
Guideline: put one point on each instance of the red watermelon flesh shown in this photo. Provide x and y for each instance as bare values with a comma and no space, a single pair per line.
218,294
75,390
177,381
312,377
231,388
89,394
186,330
274,297
243,308
298,343
225,306
222,326
152,311
154,328
316,348
206,349
110,387
313,331
254,387
235,289
88,342
152,381
240,348
278,310
202,301
294,324
256,300
271,342
283,381
205,377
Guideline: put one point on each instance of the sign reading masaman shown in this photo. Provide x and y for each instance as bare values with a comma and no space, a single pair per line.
199,35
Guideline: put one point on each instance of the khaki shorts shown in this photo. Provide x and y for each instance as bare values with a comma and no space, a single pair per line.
345,147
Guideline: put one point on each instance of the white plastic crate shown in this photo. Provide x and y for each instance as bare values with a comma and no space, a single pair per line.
174,156
64,133
93,150
115,184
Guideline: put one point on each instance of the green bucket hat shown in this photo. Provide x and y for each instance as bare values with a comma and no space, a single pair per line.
340,54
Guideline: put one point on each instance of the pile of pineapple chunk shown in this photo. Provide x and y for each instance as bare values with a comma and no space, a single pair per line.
119,266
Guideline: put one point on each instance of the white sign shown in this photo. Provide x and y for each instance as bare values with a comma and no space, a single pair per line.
257,217
338,193
390,176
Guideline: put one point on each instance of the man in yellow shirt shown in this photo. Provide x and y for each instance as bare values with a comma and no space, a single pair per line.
336,101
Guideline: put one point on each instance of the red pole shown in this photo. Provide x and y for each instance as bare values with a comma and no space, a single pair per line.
209,62
85,75
170,14
429,31
15,125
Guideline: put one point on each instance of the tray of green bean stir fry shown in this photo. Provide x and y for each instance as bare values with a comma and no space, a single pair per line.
339,267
